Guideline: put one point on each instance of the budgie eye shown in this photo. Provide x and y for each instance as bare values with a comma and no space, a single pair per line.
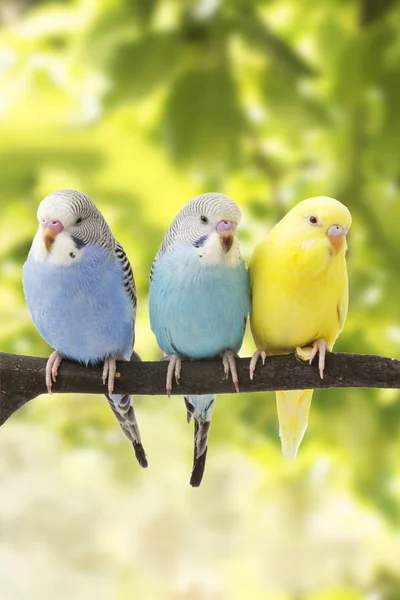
79,220
313,220
203,219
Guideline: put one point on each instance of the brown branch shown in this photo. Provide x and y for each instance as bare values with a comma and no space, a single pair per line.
22,378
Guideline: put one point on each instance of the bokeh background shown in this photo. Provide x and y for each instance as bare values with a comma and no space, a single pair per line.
143,104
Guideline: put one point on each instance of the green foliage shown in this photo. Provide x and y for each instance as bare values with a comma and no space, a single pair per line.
203,121
142,105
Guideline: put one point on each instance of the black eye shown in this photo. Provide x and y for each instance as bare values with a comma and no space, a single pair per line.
313,220
79,220
203,219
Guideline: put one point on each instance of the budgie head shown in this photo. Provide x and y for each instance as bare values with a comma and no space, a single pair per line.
321,219
207,225
68,222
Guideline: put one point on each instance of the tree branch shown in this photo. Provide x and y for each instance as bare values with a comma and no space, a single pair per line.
22,378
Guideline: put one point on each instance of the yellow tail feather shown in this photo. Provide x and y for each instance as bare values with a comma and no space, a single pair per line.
293,408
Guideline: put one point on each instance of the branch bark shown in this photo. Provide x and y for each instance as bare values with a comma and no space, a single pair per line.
22,378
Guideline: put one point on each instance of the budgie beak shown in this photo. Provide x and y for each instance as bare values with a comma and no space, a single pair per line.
50,230
226,231
336,235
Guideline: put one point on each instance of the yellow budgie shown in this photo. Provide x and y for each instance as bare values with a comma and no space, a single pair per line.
300,296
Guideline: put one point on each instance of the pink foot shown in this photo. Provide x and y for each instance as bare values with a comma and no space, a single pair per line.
109,370
228,360
321,347
309,353
52,365
174,368
254,360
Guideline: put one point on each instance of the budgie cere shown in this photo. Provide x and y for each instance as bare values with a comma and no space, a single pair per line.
299,298
80,290
200,300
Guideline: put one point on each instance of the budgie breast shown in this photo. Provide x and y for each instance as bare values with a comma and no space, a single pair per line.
81,310
298,297
196,310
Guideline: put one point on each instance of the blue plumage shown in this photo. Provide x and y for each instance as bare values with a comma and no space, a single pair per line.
80,290
82,309
200,300
198,310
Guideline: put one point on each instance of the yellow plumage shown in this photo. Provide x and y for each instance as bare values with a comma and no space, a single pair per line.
300,295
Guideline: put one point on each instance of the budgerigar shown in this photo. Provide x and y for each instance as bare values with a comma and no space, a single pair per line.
299,298
200,300
80,290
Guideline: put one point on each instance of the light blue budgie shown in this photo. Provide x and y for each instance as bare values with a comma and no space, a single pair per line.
200,300
80,290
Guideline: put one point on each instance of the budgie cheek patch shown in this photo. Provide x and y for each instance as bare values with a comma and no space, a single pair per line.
211,252
199,243
64,250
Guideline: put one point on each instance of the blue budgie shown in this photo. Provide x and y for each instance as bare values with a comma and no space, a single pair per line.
81,293
200,300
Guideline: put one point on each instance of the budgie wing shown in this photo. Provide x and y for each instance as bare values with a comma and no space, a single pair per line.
128,280
343,304
122,407
152,269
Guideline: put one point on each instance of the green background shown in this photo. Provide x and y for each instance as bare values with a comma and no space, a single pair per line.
143,104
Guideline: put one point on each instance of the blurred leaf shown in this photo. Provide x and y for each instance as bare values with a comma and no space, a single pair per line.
139,67
203,119
373,10
142,11
386,148
288,103
258,36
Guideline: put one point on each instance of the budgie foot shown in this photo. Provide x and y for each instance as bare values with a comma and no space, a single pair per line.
109,370
52,365
228,360
309,352
254,360
174,368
